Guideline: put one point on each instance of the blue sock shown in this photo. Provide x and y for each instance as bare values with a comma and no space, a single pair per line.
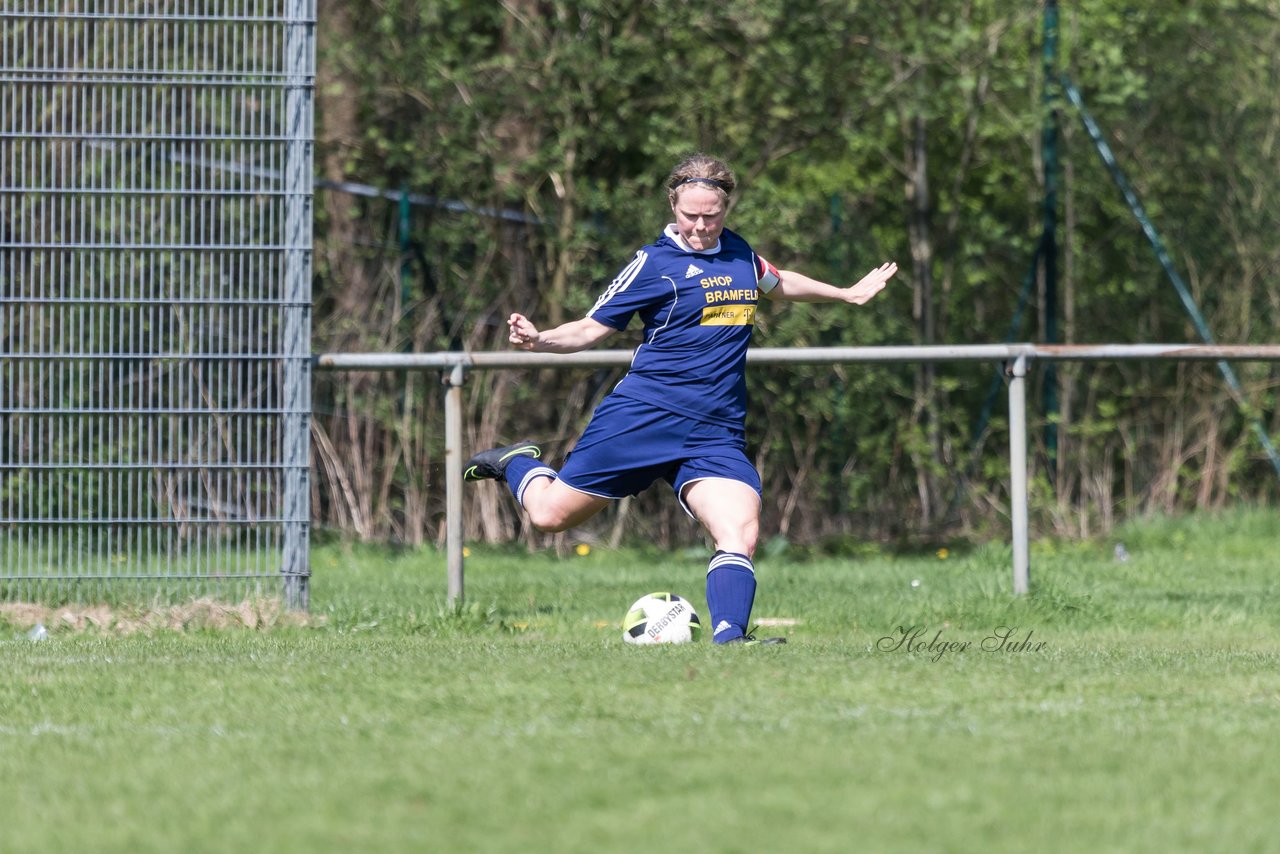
522,471
731,590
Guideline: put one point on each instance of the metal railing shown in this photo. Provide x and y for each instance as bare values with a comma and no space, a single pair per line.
1016,357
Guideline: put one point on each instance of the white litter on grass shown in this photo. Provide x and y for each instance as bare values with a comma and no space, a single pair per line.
777,621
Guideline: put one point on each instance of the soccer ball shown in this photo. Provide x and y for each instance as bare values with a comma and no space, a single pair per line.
661,618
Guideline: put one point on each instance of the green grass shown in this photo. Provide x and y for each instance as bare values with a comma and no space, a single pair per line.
1147,721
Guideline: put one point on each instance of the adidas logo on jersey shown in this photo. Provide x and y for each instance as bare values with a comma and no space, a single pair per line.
692,271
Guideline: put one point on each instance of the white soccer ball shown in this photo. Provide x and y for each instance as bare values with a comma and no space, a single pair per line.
661,618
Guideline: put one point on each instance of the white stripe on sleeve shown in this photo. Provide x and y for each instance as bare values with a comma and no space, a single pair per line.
622,282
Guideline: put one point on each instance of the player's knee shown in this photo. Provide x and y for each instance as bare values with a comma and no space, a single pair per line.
740,541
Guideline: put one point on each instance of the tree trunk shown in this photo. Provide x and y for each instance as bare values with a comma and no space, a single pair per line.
923,309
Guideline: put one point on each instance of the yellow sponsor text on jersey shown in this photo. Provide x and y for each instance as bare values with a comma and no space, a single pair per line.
728,315
737,294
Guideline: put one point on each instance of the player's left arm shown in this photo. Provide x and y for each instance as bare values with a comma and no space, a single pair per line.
797,287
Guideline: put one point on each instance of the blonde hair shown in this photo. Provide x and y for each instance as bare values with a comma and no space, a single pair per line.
703,171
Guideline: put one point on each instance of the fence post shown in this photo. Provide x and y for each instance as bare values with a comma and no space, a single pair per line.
299,120
1018,473
453,481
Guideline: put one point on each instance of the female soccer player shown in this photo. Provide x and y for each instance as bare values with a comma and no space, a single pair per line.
680,412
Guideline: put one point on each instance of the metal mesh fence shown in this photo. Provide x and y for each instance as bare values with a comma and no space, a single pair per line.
155,263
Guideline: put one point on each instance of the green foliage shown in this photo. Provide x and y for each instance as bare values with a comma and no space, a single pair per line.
570,114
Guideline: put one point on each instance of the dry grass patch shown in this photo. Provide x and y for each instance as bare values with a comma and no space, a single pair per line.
204,613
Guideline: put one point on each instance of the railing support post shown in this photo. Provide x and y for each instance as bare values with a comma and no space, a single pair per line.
453,481
1018,474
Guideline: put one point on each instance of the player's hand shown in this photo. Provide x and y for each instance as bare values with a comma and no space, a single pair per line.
524,335
872,283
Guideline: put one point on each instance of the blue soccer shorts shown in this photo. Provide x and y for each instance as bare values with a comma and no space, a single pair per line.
630,444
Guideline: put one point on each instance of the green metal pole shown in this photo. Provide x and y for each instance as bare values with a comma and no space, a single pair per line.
406,214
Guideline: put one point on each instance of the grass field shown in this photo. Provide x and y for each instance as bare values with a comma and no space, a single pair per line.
1134,706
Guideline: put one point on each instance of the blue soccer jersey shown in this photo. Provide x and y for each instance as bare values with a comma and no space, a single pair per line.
698,310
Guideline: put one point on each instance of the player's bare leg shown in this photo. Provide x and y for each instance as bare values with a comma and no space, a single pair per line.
553,507
729,510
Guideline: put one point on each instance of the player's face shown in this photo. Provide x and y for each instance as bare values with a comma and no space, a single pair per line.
699,216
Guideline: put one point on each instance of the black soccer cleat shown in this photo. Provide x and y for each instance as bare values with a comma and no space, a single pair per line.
492,464
752,640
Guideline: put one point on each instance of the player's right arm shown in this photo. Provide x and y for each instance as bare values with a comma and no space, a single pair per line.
630,291
566,338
